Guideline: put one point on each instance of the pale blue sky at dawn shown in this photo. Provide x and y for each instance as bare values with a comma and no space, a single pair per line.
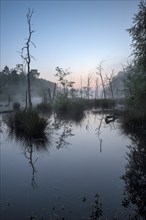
75,34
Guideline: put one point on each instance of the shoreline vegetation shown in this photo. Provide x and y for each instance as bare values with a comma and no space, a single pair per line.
33,123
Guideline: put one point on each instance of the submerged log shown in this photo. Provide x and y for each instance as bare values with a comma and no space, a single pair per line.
110,118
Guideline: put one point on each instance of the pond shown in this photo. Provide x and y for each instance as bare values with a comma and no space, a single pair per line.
82,172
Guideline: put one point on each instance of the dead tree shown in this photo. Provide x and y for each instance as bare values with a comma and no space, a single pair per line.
99,72
81,90
25,53
96,88
89,80
54,92
109,80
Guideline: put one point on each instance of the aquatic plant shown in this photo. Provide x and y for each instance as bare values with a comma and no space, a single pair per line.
69,109
27,124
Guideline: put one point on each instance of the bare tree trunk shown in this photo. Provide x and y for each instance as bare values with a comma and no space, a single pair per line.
29,90
111,88
29,15
54,91
110,83
49,93
89,80
96,88
27,56
99,68
26,99
81,91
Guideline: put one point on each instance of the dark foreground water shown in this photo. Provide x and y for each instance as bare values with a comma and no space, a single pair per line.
77,175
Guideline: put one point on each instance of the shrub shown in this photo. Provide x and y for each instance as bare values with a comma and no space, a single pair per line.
131,121
61,104
76,107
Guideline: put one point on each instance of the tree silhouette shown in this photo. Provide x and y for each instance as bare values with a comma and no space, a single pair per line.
25,53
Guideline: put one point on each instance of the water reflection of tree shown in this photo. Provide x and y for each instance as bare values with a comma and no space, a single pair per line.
135,174
63,129
31,145
28,153
98,131
102,122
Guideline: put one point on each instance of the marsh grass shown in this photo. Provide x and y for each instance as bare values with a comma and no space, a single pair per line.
94,103
70,109
27,124
75,109
104,103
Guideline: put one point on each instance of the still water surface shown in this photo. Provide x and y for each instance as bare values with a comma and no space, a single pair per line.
76,176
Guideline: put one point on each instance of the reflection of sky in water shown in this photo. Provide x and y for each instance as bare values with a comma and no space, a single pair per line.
64,176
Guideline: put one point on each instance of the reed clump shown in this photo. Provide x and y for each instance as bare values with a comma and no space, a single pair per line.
104,103
27,123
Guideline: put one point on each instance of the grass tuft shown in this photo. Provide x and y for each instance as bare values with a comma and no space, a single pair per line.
28,124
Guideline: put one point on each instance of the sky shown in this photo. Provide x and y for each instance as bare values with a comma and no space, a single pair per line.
70,34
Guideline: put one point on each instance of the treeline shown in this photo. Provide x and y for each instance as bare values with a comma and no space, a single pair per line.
13,85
